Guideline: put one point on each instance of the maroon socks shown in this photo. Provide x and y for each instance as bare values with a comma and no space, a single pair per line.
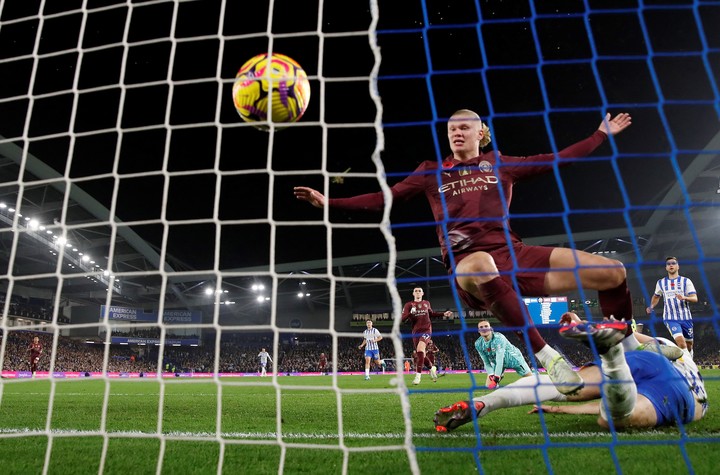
503,302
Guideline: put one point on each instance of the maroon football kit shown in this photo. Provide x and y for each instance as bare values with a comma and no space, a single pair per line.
477,218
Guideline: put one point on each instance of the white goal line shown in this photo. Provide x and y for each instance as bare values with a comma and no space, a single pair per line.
650,434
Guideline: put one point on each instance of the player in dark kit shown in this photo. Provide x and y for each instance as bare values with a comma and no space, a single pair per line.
35,348
418,312
322,364
472,185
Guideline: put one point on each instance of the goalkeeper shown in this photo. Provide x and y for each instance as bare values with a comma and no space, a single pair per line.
498,354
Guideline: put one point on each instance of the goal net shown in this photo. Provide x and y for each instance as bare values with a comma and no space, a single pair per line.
192,315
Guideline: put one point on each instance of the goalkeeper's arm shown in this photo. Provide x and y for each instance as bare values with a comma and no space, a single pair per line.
489,367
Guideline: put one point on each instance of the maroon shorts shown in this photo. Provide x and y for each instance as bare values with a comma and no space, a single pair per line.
531,283
426,337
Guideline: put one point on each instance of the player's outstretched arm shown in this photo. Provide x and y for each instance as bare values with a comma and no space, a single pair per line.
615,125
590,408
310,195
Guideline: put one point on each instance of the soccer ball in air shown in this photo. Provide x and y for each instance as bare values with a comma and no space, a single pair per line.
272,88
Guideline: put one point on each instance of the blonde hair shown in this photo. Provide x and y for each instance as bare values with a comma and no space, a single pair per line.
487,138
486,135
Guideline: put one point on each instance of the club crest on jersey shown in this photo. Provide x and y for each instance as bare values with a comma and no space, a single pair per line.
485,166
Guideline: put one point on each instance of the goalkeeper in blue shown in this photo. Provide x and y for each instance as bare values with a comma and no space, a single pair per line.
640,382
498,354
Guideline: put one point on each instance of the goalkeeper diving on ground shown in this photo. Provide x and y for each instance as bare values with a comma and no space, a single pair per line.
640,383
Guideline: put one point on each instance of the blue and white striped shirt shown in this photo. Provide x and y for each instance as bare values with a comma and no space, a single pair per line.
370,335
668,288
264,357
690,372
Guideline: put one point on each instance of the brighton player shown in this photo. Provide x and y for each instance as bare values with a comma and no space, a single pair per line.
264,357
35,348
371,337
418,312
677,292
470,185
642,389
498,354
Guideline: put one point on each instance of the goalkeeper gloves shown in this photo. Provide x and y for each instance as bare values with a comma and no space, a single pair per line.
494,381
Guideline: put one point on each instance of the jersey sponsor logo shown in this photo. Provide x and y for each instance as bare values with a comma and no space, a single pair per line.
465,185
419,308
675,309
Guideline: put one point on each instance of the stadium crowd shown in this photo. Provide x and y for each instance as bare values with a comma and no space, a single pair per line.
239,353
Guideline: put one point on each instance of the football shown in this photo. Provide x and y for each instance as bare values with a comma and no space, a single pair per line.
271,89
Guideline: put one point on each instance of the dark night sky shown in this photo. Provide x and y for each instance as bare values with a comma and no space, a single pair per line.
530,79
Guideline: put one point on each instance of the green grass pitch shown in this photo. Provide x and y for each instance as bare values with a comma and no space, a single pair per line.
76,436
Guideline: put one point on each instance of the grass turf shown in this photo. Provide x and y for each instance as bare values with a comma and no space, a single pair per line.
234,425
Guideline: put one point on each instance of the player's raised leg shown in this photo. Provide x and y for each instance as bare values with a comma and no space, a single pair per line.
607,276
619,390
573,269
478,275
